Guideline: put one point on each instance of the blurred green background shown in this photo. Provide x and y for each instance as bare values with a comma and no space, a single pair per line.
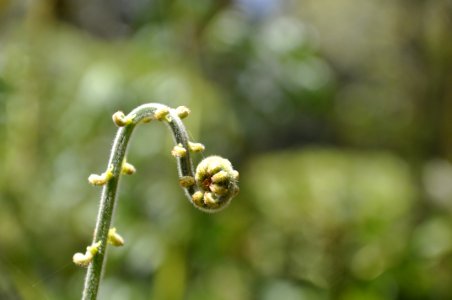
337,113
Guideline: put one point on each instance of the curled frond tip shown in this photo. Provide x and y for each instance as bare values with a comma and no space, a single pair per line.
217,182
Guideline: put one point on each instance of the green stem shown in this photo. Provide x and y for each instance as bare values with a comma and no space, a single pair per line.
105,214
108,197
213,189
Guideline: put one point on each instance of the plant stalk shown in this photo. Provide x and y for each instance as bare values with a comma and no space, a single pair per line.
216,171
108,197
104,217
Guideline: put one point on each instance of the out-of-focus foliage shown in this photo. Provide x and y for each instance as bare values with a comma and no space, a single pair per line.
337,113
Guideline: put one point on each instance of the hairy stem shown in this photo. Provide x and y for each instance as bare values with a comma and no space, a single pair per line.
216,195
105,214
107,202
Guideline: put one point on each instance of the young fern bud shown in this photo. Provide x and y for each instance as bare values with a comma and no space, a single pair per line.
115,238
122,120
161,113
197,199
179,151
83,260
217,182
186,181
102,179
210,189
182,112
127,169
196,147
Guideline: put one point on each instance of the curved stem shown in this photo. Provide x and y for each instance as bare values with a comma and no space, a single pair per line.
108,197
216,181
105,213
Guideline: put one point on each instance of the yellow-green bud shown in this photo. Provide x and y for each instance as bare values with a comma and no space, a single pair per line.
182,111
115,238
217,181
161,113
186,181
102,179
196,147
178,151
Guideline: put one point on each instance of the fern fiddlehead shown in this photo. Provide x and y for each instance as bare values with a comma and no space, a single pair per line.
210,188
